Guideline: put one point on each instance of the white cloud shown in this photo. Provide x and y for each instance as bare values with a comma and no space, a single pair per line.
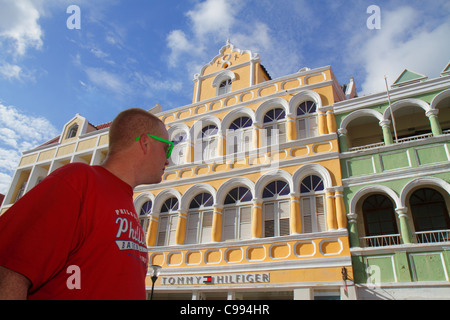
210,19
215,21
19,25
106,80
10,71
149,82
214,17
19,132
179,44
405,41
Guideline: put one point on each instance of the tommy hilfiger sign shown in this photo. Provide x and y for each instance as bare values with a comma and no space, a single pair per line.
216,279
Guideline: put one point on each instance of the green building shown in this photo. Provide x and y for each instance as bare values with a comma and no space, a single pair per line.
395,163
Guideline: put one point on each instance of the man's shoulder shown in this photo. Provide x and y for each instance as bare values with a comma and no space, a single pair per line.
73,171
74,167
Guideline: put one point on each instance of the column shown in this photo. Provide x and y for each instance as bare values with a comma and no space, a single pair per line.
405,231
190,152
152,231
353,230
341,216
322,122
291,129
221,145
257,218
387,136
256,139
434,122
181,228
216,232
343,143
331,121
295,216
331,209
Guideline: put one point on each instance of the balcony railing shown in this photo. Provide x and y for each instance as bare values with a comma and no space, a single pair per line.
381,241
366,147
433,236
415,138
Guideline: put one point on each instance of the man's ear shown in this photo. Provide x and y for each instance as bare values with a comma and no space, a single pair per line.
144,144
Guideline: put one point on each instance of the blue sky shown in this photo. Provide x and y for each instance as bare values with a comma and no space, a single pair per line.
137,53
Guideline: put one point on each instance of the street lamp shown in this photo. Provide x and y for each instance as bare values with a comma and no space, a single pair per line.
154,273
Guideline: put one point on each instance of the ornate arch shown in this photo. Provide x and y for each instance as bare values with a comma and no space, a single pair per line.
230,185
374,189
162,197
311,169
404,103
303,96
193,191
358,114
269,105
233,115
422,182
269,177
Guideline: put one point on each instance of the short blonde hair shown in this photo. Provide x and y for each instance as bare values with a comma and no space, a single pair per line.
130,124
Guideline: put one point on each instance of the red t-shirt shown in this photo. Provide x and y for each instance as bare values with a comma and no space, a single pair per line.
76,235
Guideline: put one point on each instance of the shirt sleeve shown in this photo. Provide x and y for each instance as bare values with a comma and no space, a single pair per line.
38,232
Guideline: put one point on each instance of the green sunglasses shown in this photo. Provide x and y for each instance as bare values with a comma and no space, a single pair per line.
170,143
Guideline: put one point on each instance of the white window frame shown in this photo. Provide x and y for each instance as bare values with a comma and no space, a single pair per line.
317,216
310,127
178,156
144,217
277,126
208,144
170,228
242,227
243,137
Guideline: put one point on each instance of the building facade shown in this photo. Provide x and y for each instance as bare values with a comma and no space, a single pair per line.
263,199
395,166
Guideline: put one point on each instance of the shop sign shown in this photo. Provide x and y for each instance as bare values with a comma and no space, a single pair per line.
216,279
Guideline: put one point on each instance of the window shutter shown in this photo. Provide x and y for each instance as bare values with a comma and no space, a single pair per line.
306,213
269,223
245,223
313,126
229,215
162,231
320,212
207,226
301,127
284,214
173,229
192,225
282,133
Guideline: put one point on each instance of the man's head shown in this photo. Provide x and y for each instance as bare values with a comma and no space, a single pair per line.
130,124
146,156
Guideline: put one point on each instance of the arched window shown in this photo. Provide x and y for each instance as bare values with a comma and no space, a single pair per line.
72,132
199,221
144,215
168,219
274,127
430,213
379,221
306,120
276,209
225,87
208,140
239,139
312,205
237,215
178,156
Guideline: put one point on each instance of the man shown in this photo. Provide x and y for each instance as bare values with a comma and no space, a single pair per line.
76,235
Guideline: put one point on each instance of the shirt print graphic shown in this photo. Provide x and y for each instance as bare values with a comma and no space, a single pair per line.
130,235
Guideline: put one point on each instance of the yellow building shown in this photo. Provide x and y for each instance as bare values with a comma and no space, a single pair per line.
251,205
